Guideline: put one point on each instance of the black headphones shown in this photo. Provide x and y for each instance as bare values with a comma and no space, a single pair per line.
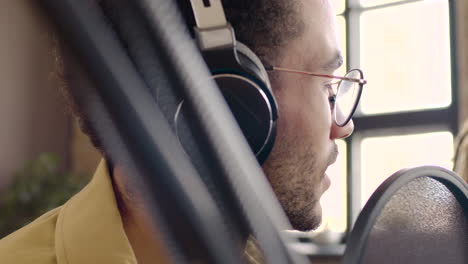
240,75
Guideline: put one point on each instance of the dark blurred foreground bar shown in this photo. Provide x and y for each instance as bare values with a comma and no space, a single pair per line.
144,134
145,139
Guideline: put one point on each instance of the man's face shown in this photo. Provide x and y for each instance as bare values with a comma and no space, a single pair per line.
305,146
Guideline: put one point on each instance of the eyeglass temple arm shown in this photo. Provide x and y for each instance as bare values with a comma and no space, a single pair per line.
274,68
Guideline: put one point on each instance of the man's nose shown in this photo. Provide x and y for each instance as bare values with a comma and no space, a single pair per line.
338,132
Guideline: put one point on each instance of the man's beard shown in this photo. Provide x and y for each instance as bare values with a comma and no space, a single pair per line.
303,221
296,178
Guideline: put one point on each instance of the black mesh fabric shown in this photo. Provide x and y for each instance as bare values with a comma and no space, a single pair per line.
422,223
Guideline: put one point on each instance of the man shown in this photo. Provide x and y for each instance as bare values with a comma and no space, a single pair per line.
295,34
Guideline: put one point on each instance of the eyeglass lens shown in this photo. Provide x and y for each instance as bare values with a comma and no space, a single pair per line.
347,98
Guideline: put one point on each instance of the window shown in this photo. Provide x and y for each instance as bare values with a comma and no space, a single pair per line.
408,113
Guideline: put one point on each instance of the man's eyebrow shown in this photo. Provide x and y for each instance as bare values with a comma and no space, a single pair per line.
334,63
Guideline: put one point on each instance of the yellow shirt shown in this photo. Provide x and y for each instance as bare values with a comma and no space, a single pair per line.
86,229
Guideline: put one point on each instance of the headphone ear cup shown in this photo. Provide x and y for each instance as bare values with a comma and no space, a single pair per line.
243,52
250,63
249,96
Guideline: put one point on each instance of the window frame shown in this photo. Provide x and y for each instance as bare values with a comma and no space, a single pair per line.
390,124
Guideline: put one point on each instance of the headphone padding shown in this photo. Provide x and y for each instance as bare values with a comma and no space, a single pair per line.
244,50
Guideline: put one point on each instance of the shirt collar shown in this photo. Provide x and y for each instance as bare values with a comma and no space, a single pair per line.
90,228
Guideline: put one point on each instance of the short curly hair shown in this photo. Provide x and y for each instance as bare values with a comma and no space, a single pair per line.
265,26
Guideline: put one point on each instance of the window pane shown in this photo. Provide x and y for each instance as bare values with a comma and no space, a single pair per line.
334,199
405,55
382,156
338,5
367,3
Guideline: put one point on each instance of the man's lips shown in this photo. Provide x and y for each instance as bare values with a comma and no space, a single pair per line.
333,155
332,159
326,182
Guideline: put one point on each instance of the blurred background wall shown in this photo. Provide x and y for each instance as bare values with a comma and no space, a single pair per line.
33,118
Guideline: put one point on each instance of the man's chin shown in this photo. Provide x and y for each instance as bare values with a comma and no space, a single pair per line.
307,221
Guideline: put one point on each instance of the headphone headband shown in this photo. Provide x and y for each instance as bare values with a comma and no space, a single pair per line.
208,14
212,31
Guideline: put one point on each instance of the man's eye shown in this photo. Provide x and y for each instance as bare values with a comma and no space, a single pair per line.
332,94
331,87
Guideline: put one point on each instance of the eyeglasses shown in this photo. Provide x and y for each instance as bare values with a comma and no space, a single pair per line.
346,97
